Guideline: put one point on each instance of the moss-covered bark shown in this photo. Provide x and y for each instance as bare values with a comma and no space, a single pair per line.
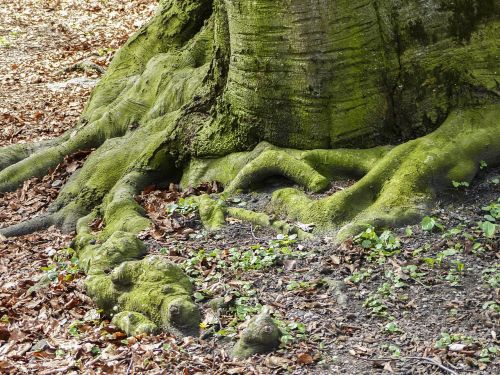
399,94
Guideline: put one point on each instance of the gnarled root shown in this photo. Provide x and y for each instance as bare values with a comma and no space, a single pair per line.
396,184
149,294
163,100
261,336
311,169
399,187
213,215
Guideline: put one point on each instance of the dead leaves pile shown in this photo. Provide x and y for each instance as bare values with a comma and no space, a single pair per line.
156,202
39,41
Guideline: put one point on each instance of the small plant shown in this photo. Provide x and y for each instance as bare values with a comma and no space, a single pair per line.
259,257
483,165
459,229
392,327
64,266
491,276
457,184
453,278
291,331
493,211
394,350
244,303
489,225
492,306
383,246
442,255
4,42
294,285
429,224
376,302
413,272
376,305
448,339
183,207
95,351
396,281
488,228
488,354
360,275
477,248
74,328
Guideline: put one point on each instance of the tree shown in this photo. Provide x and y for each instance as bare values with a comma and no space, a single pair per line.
399,94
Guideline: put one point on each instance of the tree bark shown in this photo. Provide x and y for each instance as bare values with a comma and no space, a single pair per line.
401,95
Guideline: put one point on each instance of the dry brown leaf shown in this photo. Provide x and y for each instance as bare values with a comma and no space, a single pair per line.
305,359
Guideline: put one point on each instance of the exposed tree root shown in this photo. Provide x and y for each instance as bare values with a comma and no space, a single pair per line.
400,187
15,153
261,336
213,215
183,90
396,186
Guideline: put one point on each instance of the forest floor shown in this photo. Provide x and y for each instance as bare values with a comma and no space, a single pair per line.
400,302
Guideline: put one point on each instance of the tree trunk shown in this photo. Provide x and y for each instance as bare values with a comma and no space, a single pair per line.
399,94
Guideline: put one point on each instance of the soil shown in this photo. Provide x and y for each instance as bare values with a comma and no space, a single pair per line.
344,309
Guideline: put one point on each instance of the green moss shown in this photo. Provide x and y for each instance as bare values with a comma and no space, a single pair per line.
261,336
211,212
119,247
159,290
152,287
278,163
311,169
134,323
417,171
102,291
256,218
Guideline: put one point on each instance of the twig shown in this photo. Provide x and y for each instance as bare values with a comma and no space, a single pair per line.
253,234
421,283
435,363
424,359
130,365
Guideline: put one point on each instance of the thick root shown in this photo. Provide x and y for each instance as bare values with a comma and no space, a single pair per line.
396,184
261,336
213,215
151,288
278,162
38,223
13,154
311,169
400,187
134,323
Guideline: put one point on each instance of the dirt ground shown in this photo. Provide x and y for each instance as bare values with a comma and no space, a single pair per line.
417,300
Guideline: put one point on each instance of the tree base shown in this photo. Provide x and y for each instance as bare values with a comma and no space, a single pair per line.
396,185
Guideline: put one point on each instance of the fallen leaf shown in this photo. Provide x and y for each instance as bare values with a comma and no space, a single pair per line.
305,359
456,347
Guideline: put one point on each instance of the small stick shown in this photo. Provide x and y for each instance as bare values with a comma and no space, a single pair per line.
425,359
130,365
253,234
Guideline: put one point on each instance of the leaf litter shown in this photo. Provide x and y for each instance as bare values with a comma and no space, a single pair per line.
317,290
